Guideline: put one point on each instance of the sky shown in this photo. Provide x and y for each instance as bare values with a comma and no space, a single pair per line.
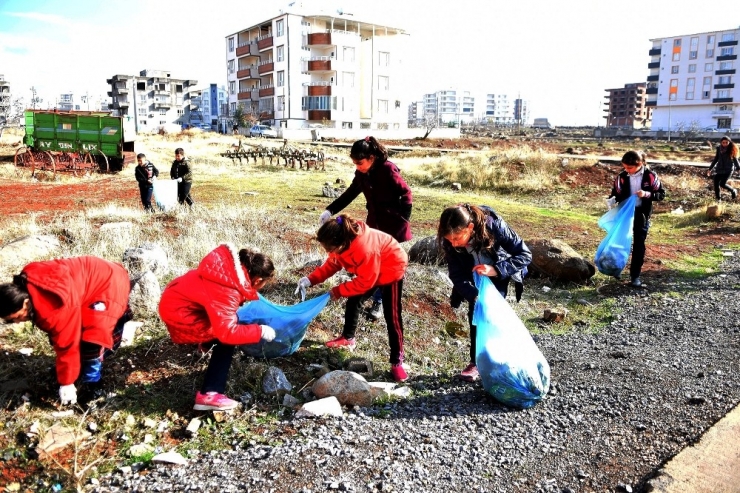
558,55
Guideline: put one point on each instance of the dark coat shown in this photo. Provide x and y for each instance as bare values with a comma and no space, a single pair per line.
650,183
512,253
181,169
388,199
142,174
725,163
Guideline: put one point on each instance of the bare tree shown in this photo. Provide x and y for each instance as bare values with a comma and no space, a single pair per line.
35,99
430,123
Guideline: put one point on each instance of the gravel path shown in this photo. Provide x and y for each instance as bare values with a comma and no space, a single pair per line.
623,401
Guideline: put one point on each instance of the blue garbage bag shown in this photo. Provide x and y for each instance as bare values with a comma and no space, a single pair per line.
614,249
290,324
512,368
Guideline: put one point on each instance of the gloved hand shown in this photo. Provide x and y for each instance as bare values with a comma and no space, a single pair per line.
179,180
68,394
268,333
611,202
325,216
303,283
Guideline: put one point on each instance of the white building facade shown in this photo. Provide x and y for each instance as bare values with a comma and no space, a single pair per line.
214,104
155,100
451,105
691,84
302,67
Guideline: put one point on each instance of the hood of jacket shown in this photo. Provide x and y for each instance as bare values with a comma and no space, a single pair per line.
222,266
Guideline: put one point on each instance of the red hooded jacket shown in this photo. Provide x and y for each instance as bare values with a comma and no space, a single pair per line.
375,258
201,305
63,292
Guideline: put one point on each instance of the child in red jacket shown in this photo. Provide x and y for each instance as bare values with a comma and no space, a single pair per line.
200,307
375,259
81,303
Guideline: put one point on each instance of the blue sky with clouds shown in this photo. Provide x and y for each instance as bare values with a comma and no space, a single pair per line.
558,55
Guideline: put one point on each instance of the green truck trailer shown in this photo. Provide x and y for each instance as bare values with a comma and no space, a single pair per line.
76,141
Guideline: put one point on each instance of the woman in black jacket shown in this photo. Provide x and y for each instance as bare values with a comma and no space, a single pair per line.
476,239
724,163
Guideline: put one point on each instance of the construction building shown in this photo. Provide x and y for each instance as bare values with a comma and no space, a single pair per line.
627,106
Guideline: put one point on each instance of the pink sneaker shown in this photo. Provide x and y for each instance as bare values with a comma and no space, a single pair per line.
398,373
470,373
341,342
213,401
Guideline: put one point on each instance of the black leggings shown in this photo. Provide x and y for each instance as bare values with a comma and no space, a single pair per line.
720,181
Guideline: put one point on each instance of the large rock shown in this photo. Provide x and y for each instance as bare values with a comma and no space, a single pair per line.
348,387
21,251
145,292
559,261
147,257
426,251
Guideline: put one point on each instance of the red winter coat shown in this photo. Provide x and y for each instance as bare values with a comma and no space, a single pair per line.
375,258
200,306
63,292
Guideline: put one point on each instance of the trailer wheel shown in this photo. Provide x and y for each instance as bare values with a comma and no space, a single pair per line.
102,160
44,161
88,162
24,157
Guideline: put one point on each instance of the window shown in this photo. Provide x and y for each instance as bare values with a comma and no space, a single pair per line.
346,124
162,111
710,40
724,122
382,83
706,87
232,87
723,93
725,65
231,44
280,27
382,106
724,79
281,78
348,79
692,68
280,53
674,69
728,37
281,103
384,58
142,111
673,91
690,88
163,122
318,103
232,107
677,42
694,43
727,50
348,54
676,56
710,53
231,66
708,67
693,55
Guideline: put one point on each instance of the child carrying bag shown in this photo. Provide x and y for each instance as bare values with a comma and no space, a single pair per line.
512,368
290,324
612,254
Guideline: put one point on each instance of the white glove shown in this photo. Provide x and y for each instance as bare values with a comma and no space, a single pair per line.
68,394
179,180
325,216
611,202
303,283
268,333
153,178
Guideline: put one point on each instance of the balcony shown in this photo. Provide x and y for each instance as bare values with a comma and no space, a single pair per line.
651,103
319,39
163,104
266,67
724,86
654,52
724,58
722,113
244,96
250,72
242,50
653,78
722,100
122,90
319,90
729,71
318,115
654,65
264,43
651,90
319,64
265,92
727,43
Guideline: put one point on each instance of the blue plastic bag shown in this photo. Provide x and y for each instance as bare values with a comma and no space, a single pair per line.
612,254
511,366
290,324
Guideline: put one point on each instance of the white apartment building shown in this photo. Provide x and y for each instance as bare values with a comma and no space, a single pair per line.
450,105
310,67
498,109
416,113
5,103
691,83
214,107
86,102
154,99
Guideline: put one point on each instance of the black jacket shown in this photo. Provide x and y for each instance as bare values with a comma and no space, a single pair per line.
650,183
142,174
181,169
512,254
725,163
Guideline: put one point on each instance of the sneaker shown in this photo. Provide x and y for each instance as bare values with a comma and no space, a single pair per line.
341,342
734,193
213,401
376,311
398,373
470,373
636,283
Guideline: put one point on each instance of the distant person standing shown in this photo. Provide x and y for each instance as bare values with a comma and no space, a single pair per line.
388,197
181,172
724,163
145,174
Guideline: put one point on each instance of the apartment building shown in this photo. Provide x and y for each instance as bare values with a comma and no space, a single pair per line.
416,113
155,100
5,103
450,105
498,110
521,111
691,81
312,67
627,106
214,107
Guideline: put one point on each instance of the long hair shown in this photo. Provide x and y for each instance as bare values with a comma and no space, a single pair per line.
256,264
731,149
336,234
455,219
369,147
13,295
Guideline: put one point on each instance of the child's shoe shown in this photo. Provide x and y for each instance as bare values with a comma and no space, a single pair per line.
213,401
398,373
470,373
341,342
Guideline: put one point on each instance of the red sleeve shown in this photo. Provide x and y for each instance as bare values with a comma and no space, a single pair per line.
224,322
325,270
367,271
